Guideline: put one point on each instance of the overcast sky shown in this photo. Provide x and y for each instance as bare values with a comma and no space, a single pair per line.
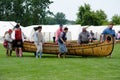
70,7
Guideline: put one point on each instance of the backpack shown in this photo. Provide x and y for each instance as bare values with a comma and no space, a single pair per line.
18,34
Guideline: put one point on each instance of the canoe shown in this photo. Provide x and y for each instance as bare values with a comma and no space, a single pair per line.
92,49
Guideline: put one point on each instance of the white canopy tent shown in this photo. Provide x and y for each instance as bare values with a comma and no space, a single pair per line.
49,30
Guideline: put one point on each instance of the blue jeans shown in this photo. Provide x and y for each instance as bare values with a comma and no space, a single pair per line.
62,47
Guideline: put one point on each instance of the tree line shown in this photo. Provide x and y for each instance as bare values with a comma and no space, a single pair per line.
29,12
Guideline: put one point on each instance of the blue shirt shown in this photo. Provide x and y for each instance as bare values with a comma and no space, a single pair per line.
109,31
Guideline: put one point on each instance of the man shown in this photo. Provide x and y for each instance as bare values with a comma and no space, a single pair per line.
109,31
57,34
62,43
9,40
83,37
38,40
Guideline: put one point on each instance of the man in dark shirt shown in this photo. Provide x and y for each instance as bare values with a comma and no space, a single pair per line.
62,42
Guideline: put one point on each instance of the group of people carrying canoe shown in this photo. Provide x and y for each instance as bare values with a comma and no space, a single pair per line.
14,38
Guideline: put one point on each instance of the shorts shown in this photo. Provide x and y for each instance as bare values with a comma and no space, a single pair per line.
17,43
62,48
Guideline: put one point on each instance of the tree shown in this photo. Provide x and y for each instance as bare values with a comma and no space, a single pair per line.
102,16
90,19
5,9
86,16
82,11
116,19
60,18
18,10
40,9
26,12
50,20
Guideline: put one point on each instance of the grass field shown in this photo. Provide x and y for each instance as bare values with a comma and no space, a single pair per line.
52,68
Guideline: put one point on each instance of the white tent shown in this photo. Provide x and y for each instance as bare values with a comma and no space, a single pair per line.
49,30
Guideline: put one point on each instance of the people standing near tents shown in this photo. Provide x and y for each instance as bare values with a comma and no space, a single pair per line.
18,38
8,43
107,31
62,43
38,41
58,32
83,37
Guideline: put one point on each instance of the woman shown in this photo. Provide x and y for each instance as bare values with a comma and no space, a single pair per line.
38,41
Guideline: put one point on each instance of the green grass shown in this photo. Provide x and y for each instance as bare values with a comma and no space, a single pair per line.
52,68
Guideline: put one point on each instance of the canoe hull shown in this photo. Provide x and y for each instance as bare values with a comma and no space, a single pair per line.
96,49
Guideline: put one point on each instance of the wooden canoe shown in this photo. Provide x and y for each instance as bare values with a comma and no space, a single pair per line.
93,49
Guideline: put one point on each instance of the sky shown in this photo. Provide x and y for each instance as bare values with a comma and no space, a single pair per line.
70,7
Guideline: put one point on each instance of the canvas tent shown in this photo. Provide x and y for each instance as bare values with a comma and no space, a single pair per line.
49,30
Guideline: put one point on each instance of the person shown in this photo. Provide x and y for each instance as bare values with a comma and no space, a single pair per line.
107,31
9,40
118,35
83,37
62,43
18,38
92,36
57,34
38,41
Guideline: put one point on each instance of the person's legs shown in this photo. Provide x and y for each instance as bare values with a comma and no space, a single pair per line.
17,53
7,52
20,52
10,47
10,52
60,49
41,50
38,47
64,50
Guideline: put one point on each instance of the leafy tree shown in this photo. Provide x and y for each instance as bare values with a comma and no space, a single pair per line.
102,16
86,16
90,19
82,11
5,9
116,19
40,9
60,18
18,10
26,12
50,20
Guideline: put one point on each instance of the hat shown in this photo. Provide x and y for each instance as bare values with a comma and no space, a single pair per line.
10,30
85,27
61,25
